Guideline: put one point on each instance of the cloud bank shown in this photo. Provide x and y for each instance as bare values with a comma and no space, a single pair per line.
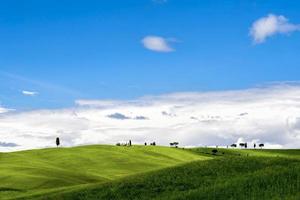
270,115
270,25
156,43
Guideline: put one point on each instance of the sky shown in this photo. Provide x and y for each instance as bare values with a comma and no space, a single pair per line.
200,72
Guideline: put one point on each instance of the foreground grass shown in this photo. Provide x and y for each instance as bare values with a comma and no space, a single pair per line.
139,172
44,171
228,177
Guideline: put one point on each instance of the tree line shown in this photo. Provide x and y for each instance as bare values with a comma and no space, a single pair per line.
245,145
175,144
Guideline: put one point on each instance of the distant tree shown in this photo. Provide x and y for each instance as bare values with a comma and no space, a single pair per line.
175,144
214,151
242,144
246,145
145,143
129,144
57,141
254,145
233,145
118,144
261,145
154,144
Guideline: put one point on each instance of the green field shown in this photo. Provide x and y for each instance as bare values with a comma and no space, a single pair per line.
149,172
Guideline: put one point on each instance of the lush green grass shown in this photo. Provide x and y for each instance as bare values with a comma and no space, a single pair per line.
283,153
139,172
45,170
225,177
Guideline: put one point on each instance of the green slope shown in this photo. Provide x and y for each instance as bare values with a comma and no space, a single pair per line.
41,171
147,172
283,153
263,175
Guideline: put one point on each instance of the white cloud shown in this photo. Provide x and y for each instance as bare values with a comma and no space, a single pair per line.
191,118
156,43
4,110
270,25
29,93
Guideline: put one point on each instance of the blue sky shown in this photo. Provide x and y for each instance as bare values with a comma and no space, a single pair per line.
61,51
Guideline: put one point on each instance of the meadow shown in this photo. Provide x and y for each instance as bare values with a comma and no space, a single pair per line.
149,172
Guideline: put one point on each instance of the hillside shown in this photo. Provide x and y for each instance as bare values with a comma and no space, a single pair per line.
264,174
230,178
41,171
139,172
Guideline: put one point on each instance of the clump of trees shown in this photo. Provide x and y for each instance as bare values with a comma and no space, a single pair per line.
129,143
124,144
214,151
175,144
153,144
243,145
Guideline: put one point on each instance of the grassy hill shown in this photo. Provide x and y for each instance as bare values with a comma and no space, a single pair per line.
41,171
230,178
283,153
139,172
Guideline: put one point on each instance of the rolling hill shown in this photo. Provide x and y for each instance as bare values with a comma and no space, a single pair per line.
139,172
40,171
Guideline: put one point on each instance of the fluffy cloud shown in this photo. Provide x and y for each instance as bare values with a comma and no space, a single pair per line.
270,115
271,25
29,93
3,110
156,43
